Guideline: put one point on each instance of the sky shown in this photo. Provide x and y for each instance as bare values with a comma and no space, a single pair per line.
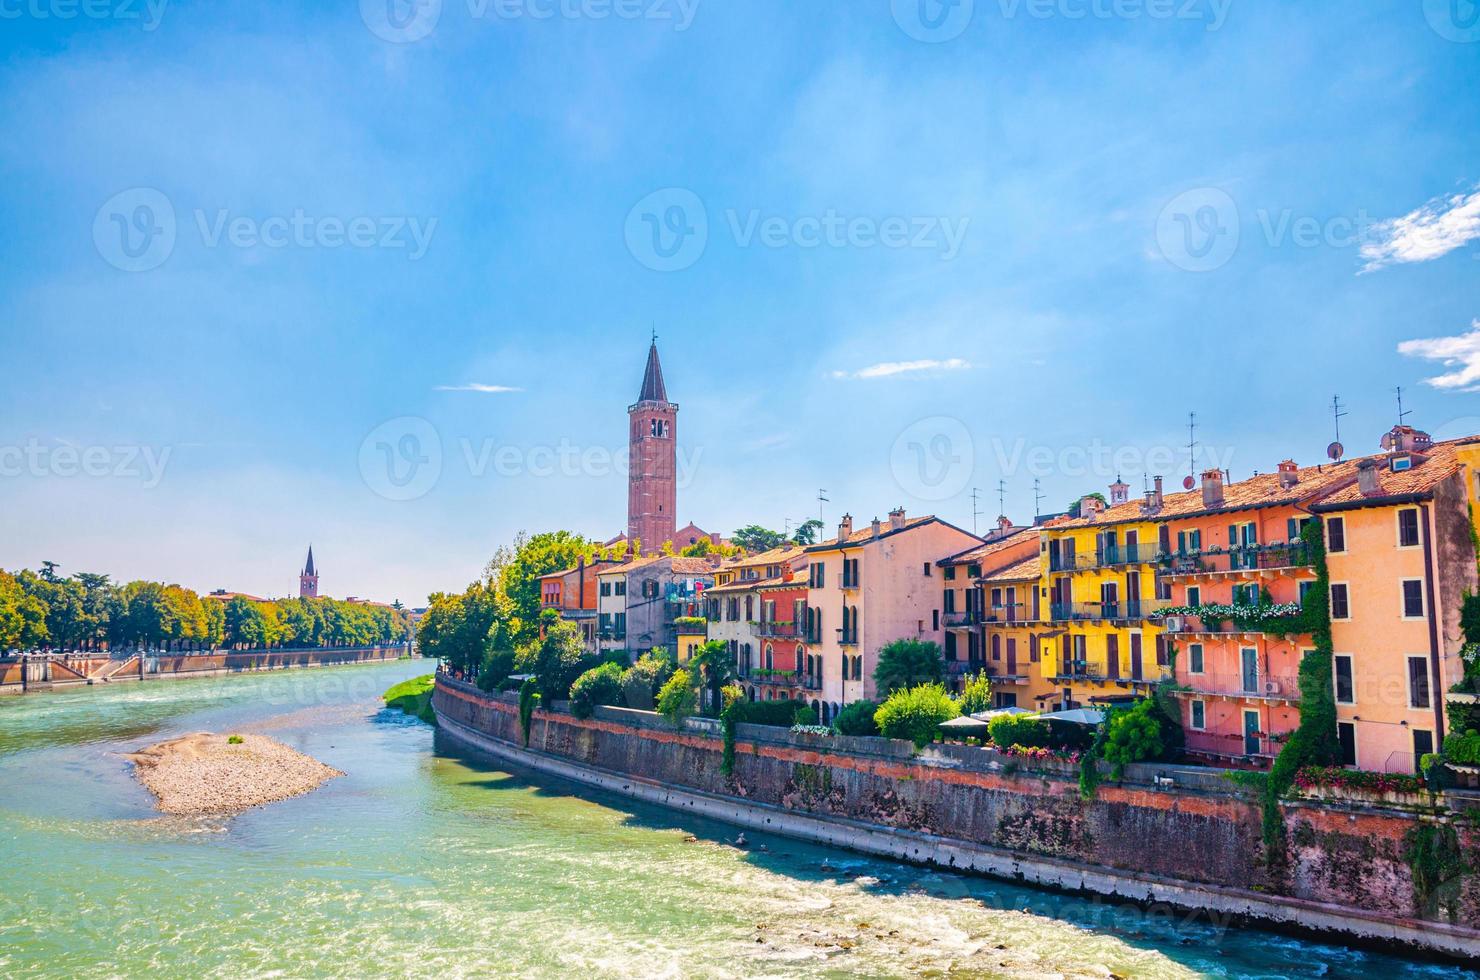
381,277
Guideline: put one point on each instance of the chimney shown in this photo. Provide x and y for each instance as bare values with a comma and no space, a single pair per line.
1090,506
1156,494
1367,477
1004,524
1120,491
896,519
1289,473
1212,488
875,527
845,527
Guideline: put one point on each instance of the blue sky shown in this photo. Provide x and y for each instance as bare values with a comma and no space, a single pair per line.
901,252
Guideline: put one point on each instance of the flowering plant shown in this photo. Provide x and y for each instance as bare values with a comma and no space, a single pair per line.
1039,754
1359,780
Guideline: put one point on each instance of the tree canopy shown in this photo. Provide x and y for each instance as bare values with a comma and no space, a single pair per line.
908,663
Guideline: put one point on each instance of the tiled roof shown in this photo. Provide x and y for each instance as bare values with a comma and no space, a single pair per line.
692,566
629,566
1429,470
982,552
1027,570
865,534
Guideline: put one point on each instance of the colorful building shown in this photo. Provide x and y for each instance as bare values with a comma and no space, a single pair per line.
758,608
869,587
640,602
969,609
573,593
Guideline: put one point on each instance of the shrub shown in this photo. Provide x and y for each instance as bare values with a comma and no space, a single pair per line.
234,740
678,699
976,695
599,685
1132,735
1028,731
1463,750
857,719
644,679
916,713
731,694
496,667
781,714
905,664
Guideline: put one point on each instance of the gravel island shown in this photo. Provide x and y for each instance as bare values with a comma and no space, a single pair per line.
208,773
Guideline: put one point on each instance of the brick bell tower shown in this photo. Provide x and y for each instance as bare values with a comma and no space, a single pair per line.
308,579
651,482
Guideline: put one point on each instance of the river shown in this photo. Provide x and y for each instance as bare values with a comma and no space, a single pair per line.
426,861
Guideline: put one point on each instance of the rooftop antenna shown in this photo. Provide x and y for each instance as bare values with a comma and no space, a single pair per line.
821,499
1191,480
1037,500
975,510
655,333
1402,414
1001,498
1336,450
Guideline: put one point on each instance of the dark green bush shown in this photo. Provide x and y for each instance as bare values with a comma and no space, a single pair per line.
857,719
1029,731
599,685
916,713
495,670
782,714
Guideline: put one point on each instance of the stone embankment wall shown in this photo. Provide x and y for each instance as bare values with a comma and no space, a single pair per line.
1195,844
45,672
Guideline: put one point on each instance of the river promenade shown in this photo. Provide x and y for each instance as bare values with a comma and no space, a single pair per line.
31,673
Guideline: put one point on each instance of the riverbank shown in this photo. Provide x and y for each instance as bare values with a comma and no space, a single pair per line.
1194,845
206,773
38,673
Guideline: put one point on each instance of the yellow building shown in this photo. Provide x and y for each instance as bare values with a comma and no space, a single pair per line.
1098,576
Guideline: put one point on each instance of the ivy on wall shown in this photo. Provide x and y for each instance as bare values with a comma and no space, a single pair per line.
529,699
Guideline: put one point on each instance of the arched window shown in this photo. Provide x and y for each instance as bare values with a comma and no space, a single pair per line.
770,657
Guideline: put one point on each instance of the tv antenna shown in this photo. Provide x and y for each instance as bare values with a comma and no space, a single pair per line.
821,499
1402,414
1191,480
975,510
1037,500
1336,450
1001,498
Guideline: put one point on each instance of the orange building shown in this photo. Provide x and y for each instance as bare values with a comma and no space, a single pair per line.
572,593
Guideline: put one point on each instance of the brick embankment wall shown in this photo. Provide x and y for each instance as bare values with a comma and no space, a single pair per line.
1196,846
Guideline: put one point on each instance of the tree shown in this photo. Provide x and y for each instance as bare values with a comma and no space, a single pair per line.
1132,735
676,701
976,696
698,549
644,679
755,539
916,713
516,574
908,663
22,616
599,685
807,532
556,659
712,666
857,719
1073,507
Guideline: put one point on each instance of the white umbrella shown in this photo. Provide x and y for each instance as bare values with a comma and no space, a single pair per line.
999,712
1077,716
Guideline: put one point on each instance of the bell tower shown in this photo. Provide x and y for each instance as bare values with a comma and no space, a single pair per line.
651,481
308,579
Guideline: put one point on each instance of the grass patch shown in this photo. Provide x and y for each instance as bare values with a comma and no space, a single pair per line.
414,697
234,740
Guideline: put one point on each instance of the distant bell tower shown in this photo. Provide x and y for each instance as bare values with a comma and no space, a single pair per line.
651,482
308,579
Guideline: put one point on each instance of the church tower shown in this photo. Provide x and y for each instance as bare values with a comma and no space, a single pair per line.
308,579
651,481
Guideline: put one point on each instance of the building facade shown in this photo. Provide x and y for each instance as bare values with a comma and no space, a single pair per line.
574,594
308,579
652,482
758,609
638,602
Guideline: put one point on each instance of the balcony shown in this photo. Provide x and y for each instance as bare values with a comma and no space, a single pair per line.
785,631
1120,612
1238,562
1232,746
1283,688
1197,626
811,683
849,583
1017,612
691,626
960,619
847,638
1136,554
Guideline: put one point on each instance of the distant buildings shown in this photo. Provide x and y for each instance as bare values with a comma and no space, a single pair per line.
308,579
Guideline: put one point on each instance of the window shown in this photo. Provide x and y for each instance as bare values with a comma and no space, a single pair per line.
996,646
935,619
948,600
1194,595
1408,527
1418,683
926,571
621,586
606,588
1401,463
1246,595
1195,658
1346,734
1199,713
1335,534
1346,692
950,573
1423,744
1412,598
950,645
1304,588
1340,602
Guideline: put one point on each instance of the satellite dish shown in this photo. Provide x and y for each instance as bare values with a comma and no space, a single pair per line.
1188,483
1336,450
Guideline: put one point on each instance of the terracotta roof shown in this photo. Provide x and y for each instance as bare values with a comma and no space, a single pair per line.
1429,470
628,566
865,534
1027,570
980,552
692,566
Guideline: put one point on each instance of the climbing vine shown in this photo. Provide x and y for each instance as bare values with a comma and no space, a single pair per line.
1435,859
1315,742
728,719
529,699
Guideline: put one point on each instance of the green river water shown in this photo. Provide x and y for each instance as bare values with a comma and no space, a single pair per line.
427,861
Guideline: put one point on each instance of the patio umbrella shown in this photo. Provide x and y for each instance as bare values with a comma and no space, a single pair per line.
964,727
1076,716
999,712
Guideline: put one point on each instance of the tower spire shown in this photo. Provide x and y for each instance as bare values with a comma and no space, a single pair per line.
652,378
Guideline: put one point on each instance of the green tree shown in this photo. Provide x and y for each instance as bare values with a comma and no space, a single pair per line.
712,666
1028,731
677,700
857,719
807,532
1132,735
976,696
908,663
599,685
755,539
644,679
916,713
516,573
556,659
22,616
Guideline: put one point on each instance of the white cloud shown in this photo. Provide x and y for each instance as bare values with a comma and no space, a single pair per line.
889,369
1435,229
480,388
1461,353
